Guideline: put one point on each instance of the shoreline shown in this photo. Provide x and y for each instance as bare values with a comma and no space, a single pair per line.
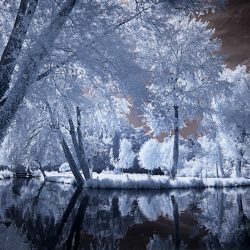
143,181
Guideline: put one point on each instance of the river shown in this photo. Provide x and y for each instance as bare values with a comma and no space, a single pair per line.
37,215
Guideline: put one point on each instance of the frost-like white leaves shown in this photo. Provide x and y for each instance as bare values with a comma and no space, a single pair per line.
150,154
126,155
233,114
154,154
64,167
180,55
122,105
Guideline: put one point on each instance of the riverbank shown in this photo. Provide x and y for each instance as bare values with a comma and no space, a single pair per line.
144,181
6,174
108,180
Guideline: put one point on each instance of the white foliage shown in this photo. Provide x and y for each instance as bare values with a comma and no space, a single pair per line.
64,167
233,115
109,61
154,154
150,154
126,155
185,71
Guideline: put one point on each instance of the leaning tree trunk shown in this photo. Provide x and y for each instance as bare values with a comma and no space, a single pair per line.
30,67
82,159
66,150
176,143
14,45
72,163
76,148
78,142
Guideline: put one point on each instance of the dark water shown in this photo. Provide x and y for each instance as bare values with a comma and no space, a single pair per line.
34,215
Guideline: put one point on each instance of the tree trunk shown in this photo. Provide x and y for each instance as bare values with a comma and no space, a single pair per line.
78,150
241,152
13,48
240,204
238,168
77,140
74,139
217,170
78,143
72,163
69,157
30,67
176,143
82,157
239,163
116,145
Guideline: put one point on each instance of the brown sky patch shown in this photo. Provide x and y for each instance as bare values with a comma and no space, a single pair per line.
233,28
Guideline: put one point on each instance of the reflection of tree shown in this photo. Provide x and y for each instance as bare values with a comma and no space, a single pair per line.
224,218
115,208
221,210
23,215
66,215
176,222
33,211
76,227
69,209
36,198
39,230
243,224
16,185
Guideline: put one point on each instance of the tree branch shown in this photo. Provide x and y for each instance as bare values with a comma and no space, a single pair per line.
13,48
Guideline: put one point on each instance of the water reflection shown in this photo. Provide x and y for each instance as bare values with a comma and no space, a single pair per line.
37,215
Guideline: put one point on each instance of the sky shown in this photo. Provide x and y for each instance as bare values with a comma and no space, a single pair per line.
232,26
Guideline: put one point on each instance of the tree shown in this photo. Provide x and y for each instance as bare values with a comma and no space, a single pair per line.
150,155
14,45
232,116
37,26
185,75
126,155
31,140
55,34
73,113
213,143
31,66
